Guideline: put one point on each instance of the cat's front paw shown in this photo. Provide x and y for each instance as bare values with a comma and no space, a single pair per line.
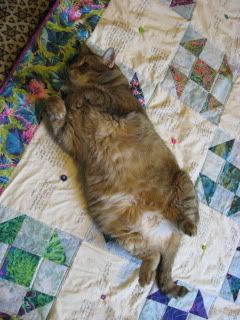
55,108
189,228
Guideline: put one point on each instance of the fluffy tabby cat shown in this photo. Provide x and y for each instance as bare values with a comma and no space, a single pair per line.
134,188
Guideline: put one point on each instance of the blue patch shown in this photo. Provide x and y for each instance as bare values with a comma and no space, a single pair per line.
224,149
230,177
209,187
14,144
234,284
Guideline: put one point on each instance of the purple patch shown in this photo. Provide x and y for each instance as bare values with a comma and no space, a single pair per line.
176,3
159,297
175,314
198,307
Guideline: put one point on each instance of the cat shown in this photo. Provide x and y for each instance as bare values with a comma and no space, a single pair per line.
134,188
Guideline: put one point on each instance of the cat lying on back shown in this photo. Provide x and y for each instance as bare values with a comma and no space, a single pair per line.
134,188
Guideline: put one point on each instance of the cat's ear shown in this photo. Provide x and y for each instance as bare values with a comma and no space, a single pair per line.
109,57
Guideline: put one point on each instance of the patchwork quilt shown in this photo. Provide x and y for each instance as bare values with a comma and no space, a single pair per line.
181,58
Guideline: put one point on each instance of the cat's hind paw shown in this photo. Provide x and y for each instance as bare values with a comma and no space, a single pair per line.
173,289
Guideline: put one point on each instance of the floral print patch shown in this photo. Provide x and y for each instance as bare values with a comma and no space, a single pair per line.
203,74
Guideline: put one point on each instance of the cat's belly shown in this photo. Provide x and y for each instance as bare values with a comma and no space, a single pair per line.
107,209
156,230
120,214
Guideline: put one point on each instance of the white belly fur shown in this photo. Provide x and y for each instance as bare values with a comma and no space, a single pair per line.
156,230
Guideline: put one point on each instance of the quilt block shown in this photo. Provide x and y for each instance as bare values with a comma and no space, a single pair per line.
200,76
218,183
183,7
231,286
195,306
34,260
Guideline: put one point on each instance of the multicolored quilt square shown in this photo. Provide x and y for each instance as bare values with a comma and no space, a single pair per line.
218,183
183,7
194,305
203,74
231,286
200,76
34,260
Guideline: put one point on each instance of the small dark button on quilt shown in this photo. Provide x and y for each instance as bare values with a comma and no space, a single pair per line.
63,177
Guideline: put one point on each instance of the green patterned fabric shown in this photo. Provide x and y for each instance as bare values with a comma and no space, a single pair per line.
9,229
55,251
34,261
41,72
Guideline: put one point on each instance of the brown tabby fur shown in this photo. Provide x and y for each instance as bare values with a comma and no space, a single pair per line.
134,188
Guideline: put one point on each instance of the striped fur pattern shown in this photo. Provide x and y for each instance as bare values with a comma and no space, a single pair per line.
134,188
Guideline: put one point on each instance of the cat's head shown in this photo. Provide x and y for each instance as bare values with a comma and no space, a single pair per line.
89,68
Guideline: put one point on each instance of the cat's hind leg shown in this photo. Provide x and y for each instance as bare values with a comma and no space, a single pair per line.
148,269
164,270
137,246
186,200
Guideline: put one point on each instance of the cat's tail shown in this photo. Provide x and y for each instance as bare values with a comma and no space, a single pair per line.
185,198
